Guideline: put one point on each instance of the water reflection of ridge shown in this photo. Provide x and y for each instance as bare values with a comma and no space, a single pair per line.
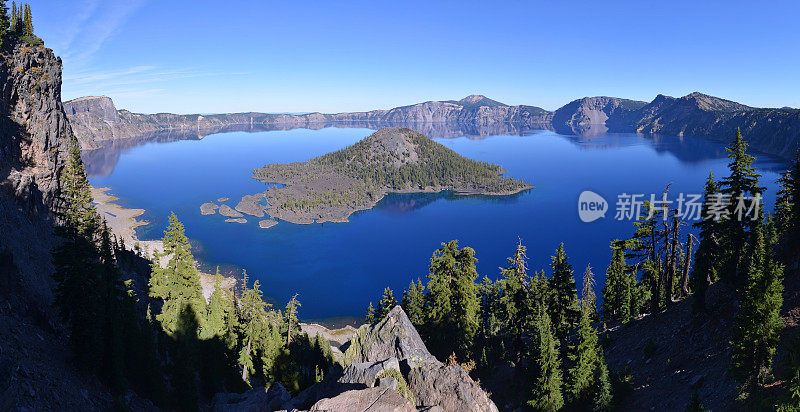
406,202
103,160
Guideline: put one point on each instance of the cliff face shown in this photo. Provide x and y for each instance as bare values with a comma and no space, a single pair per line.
36,372
773,131
95,126
33,150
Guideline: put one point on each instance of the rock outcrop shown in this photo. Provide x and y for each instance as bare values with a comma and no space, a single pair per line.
378,399
254,400
772,131
95,125
36,370
388,367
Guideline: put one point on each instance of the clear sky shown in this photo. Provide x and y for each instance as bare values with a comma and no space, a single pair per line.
297,56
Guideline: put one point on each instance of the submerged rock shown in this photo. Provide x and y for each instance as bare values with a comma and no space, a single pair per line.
239,220
226,210
208,208
267,223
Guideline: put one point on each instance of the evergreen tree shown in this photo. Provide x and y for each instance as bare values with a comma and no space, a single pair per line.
413,303
27,21
581,377
515,302
695,403
588,300
385,305
369,318
5,22
758,323
563,293
546,391
452,301
706,261
602,393
617,293
79,290
253,315
221,318
291,320
742,182
787,212
178,282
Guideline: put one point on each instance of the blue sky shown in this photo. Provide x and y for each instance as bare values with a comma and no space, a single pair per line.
297,56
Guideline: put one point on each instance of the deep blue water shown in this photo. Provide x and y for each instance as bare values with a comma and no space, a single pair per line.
339,268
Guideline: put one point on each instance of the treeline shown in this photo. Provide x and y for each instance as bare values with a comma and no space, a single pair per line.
169,343
437,166
16,24
536,326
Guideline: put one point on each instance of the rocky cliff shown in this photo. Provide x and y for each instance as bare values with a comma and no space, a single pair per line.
95,125
774,131
387,368
36,372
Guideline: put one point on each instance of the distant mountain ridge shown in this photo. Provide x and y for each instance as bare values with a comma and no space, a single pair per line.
95,120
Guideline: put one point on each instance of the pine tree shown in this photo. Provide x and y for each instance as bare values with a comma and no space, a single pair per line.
588,300
79,292
707,258
5,22
787,212
617,293
178,282
385,305
742,182
695,403
602,394
253,315
413,303
584,357
514,301
757,324
563,293
291,318
452,300
546,391
369,318
27,21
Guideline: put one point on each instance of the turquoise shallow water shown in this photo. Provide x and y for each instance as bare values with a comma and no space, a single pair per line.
338,268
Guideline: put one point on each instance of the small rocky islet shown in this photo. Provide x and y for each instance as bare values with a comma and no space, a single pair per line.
331,187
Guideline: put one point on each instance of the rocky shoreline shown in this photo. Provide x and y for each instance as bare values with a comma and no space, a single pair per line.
123,222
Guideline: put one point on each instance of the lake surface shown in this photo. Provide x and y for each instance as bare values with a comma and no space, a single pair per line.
338,268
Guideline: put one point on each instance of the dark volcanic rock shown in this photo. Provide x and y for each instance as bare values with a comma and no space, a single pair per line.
448,387
376,399
267,223
226,211
208,208
254,400
100,106
249,205
580,115
237,220
393,337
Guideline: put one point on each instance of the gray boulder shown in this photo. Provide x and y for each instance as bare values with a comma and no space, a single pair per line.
254,400
367,372
372,399
448,387
392,337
